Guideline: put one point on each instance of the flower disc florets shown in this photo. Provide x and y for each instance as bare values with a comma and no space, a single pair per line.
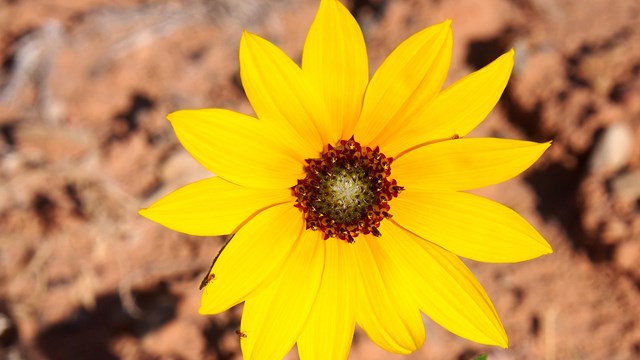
346,191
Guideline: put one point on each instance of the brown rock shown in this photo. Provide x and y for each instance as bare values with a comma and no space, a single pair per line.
626,186
627,257
613,150
615,231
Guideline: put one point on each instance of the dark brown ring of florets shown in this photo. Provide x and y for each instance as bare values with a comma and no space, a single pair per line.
346,191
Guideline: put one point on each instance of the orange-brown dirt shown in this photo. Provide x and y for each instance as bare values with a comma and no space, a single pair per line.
84,89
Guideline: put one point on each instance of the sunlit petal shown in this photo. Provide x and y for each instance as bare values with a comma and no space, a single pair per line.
280,94
335,62
469,226
333,311
387,316
241,268
191,208
238,148
457,110
274,318
442,285
409,78
465,164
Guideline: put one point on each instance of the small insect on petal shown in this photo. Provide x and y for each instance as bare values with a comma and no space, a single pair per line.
241,334
209,275
207,279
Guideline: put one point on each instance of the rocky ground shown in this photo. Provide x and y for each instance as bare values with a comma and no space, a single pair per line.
84,89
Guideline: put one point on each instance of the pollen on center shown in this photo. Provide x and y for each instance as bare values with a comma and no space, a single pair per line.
346,191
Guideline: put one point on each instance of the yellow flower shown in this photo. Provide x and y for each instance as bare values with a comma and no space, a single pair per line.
346,196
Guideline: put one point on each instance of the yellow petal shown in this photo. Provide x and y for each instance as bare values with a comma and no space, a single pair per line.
443,286
280,94
335,62
333,310
252,258
383,311
410,77
238,148
469,226
274,318
465,164
457,110
212,207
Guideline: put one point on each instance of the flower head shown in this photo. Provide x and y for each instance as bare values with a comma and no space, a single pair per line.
346,195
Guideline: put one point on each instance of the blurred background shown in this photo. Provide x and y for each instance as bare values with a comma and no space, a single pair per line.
84,89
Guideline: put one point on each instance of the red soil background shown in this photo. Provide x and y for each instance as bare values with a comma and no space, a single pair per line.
84,89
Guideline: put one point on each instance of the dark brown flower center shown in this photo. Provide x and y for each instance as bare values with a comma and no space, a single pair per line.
346,191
